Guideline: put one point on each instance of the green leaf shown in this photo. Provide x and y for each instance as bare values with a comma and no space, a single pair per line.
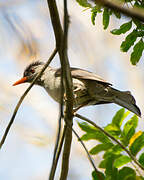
116,149
95,10
118,118
127,173
123,28
126,139
138,23
137,145
139,5
106,17
111,172
110,153
140,33
98,135
137,52
139,178
117,14
133,122
129,41
93,16
95,175
141,159
103,164
122,160
125,115
84,3
113,129
129,129
86,127
100,147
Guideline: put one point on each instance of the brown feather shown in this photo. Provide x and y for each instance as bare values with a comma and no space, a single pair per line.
83,74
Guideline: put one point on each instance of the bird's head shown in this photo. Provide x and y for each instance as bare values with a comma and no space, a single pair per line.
30,73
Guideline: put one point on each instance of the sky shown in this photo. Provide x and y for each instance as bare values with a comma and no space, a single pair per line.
26,36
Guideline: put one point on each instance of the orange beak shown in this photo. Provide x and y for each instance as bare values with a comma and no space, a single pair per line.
22,80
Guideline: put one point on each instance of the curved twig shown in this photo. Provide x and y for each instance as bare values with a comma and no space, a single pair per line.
111,137
23,96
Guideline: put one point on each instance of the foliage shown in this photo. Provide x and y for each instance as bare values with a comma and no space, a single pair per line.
133,28
114,157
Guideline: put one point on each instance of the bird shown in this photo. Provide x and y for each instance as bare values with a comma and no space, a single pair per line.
88,88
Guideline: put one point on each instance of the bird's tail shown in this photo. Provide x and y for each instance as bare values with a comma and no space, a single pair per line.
126,100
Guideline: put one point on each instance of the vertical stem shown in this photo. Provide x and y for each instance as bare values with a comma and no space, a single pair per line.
69,95
55,162
61,44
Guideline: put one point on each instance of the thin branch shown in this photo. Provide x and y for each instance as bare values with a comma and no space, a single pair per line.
69,96
110,136
61,44
55,159
55,162
61,144
23,96
58,37
58,32
115,5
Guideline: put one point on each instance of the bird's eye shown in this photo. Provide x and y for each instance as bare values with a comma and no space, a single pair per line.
32,71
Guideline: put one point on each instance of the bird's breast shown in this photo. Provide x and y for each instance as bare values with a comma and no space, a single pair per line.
81,96
52,86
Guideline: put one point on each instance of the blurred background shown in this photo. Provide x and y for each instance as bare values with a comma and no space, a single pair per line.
26,35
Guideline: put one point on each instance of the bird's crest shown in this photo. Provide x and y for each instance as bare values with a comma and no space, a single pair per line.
33,64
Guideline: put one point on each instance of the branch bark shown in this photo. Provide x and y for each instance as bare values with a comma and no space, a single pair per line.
61,44
134,12
55,162
69,98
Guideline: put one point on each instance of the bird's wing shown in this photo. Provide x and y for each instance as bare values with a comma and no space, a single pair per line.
83,74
